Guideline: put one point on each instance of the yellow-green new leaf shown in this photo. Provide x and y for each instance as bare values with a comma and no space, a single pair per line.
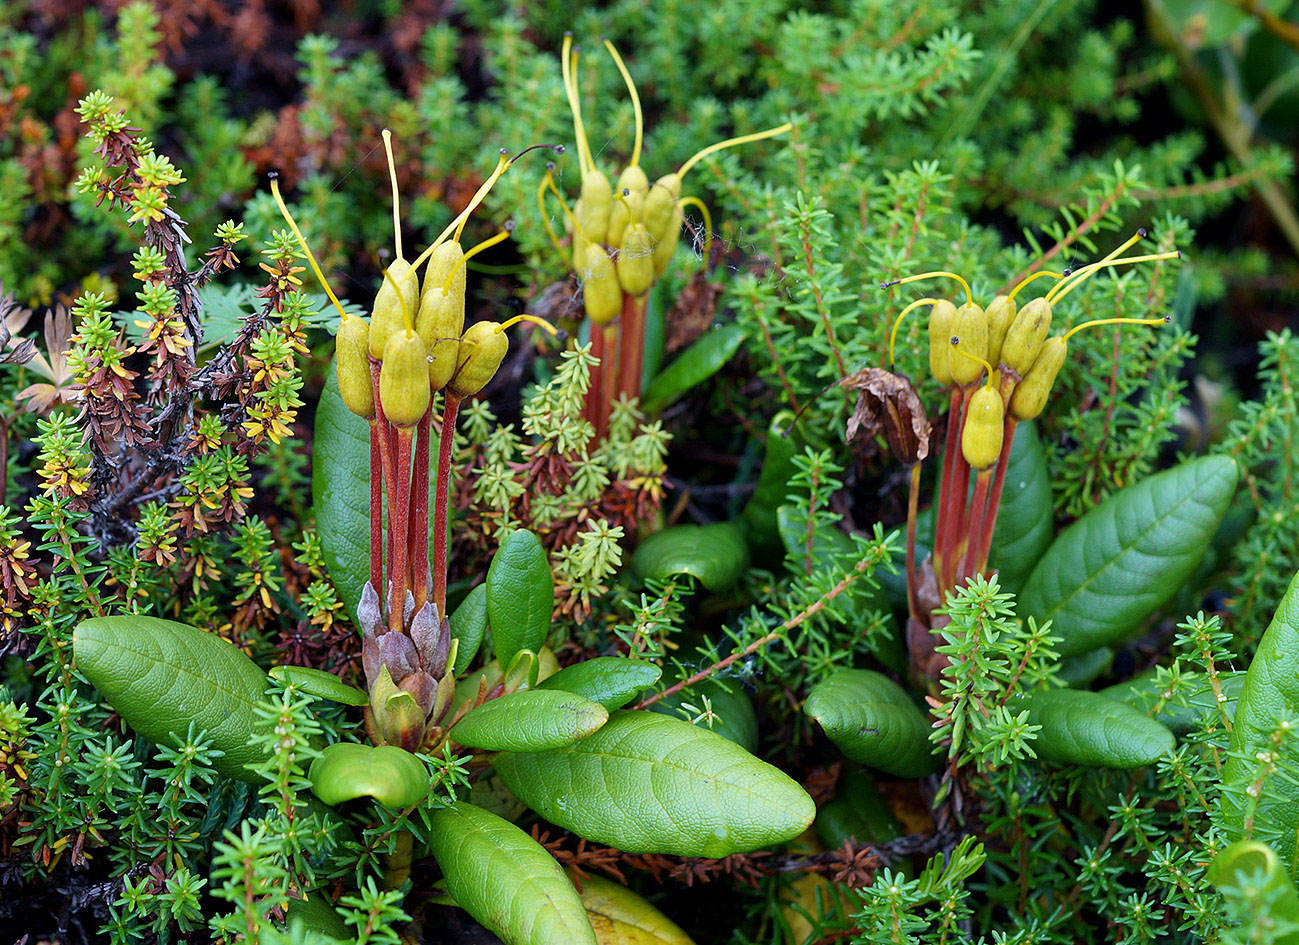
620,917
346,770
162,677
506,880
530,720
646,783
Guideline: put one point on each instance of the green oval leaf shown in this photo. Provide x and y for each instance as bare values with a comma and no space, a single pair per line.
873,722
716,555
1243,863
696,364
732,712
1118,564
1187,705
318,683
345,771
1085,728
469,626
532,720
858,813
645,783
1026,517
611,681
162,677
505,879
520,595
1079,670
1268,700
315,916
769,494
340,490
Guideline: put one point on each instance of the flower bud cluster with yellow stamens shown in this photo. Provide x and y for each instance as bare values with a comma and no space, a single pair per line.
625,234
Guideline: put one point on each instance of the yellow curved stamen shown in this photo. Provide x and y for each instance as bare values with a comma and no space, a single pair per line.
315,266
396,199
545,217
956,346
405,312
708,223
527,318
1114,253
635,101
485,244
1061,289
1116,321
969,296
550,182
897,322
571,56
502,164
1037,275
730,143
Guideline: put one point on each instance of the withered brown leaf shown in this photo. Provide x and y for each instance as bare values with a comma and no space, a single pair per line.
888,403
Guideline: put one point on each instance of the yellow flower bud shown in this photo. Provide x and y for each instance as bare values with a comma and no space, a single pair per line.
1001,313
403,378
971,326
666,247
1031,393
660,206
1025,336
443,262
984,428
351,352
441,318
387,317
482,349
942,324
628,208
636,260
601,291
595,204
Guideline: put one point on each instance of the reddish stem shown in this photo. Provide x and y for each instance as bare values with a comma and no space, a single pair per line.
440,499
632,352
978,512
418,547
958,488
376,508
399,515
591,408
608,379
913,502
998,483
945,478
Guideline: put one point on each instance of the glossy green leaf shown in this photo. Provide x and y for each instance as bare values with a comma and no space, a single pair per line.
1268,700
611,681
696,364
520,595
469,626
733,717
162,677
1246,862
318,683
532,720
620,917
346,770
1113,568
1189,704
858,812
315,916
714,554
772,487
1079,670
505,879
645,783
1026,516
340,489
1085,728
873,721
